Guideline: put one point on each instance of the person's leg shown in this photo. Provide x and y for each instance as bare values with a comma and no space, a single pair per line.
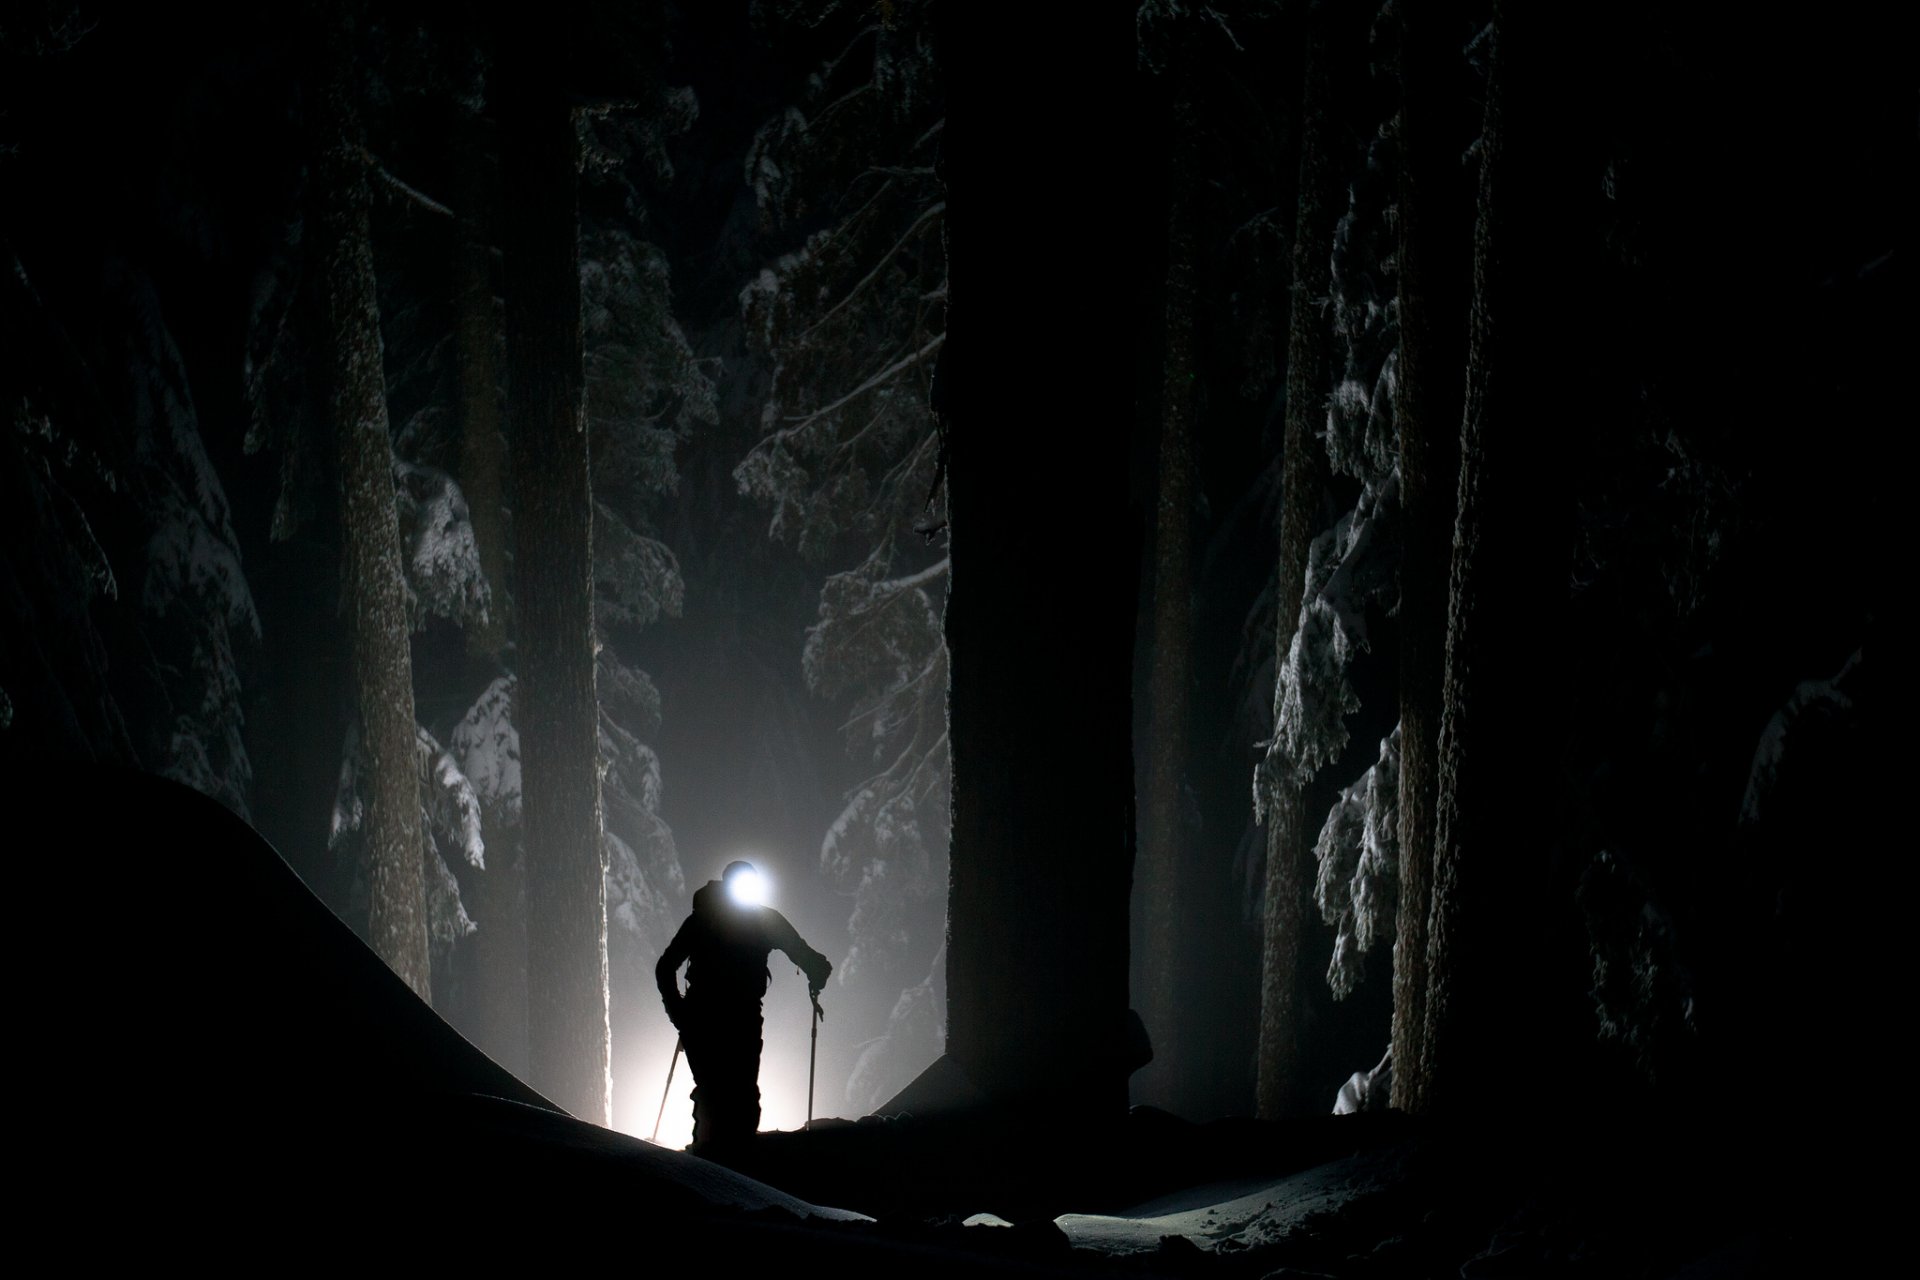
733,1094
696,1044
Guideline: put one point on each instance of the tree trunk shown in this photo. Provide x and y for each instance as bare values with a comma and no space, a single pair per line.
1280,1090
482,446
497,901
375,599
555,709
1487,933
1435,252
1162,903
1041,655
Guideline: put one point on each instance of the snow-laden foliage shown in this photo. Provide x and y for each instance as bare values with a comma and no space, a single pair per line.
1643,993
645,387
854,317
53,568
853,320
636,578
645,881
1361,433
487,748
646,392
613,138
644,876
879,639
449,825
1352,568
1358,886
192,582
915,1036
1367,1090
443,573
1162,26
449,804
280,396
1812,703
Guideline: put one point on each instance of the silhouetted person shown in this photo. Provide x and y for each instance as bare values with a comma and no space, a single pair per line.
724,944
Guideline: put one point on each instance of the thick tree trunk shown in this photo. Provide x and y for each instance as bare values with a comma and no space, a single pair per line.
375,602
482,446
1435,252
1487,940
555,709
1163,914
1280,1090
1039,617
497,901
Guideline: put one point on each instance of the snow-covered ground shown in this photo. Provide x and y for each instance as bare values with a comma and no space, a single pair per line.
1236,1215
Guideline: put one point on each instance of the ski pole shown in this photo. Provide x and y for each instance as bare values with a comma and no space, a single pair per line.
813,1055
678,1040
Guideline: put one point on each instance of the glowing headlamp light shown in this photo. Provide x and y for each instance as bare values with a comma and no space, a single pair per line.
748,888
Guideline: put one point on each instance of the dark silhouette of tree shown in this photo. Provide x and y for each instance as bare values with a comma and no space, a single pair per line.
852,320
556,708
1164,852
375,604
1289,876
473,178
1037,911
1487,944
1434,252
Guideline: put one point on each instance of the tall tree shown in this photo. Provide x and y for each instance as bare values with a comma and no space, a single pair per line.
1487,933
375,602
1279,1088
1163,847
1434,252
1037,908
853,319
556,708
483,447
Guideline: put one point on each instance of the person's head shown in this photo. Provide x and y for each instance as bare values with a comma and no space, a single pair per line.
744,884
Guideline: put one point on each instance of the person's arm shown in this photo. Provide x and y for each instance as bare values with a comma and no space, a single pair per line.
788,940
666,974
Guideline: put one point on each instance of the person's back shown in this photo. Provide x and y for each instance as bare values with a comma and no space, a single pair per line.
725,943
729,944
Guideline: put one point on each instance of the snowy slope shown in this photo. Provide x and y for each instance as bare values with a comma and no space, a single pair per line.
1236,1215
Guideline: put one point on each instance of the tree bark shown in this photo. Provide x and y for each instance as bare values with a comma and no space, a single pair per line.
1435,252
1487,932
482,446
375,591
556,710
497,901
1039,706
1159,889
1279,1088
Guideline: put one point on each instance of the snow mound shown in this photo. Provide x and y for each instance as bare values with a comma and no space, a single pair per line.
1235,1215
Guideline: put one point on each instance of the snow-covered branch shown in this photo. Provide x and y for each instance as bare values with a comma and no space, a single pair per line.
903,363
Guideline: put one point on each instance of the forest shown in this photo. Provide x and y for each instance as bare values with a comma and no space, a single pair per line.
1349,692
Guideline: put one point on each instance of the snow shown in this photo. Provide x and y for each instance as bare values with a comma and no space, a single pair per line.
444,578
915,1035
1811,701
1350,568
636,578
1230,1216
1357,889
1367,1090
487,747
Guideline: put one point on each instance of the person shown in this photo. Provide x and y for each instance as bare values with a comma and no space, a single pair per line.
724,944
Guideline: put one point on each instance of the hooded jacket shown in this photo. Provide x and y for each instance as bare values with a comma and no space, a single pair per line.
725,945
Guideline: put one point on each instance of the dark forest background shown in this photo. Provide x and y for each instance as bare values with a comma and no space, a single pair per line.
1697,265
